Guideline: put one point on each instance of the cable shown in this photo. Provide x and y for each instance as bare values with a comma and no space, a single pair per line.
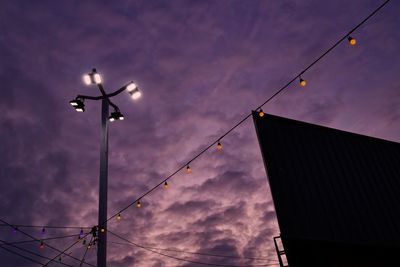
84,254
30,252
43,239
186,260
45,226
63,253
249,115
22,256
36,239
199,253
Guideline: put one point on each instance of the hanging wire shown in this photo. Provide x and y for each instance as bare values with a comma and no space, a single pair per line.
249,115
29,252
186,260
43,239
47,245
198,253
44,226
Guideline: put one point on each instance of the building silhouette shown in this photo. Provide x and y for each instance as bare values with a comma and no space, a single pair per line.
336,194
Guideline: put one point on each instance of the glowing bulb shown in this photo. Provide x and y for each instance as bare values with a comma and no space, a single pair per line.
119,217
89,246
261,113
303,82
86,79
111,119
102,230
219,146
136,95
97,78
188,169
80,109
352,41
166,185
131,87
138,204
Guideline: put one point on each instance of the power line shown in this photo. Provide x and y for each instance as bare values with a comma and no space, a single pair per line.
36,239
186,260
198,253
249,115
31,252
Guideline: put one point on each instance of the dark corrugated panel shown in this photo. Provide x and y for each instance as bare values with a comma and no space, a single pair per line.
331,185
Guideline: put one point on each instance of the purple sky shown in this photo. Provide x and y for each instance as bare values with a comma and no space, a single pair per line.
202,66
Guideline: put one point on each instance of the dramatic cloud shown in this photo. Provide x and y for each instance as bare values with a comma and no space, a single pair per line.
202,66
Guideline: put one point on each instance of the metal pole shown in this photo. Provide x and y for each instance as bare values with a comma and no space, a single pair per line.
102,243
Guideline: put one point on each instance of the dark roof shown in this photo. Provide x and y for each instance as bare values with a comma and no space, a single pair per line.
331,185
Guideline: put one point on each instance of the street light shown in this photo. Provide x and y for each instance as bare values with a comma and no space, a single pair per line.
78,104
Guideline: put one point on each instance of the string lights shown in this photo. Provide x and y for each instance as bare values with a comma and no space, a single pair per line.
119,217
261,113
138,204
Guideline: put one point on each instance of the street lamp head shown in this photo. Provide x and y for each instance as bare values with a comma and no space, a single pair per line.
92,78
78,105
133,90
116,115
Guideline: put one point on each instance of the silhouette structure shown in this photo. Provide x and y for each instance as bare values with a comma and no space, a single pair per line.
336,194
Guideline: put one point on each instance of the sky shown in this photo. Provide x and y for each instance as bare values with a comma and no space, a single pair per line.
201,66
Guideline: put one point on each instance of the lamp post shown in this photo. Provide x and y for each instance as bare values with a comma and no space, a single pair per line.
78,104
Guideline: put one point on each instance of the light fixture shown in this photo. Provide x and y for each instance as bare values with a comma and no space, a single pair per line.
302,82
219,145
92,78
261,113
166,185
78,105
351,40
188,169
102,230
119,217
116,115
41,244
133,90
138,204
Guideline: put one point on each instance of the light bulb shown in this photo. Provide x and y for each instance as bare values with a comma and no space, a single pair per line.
188,169
352,41
303,82
119,217
261,113
219,146
86,79
166,185
138,204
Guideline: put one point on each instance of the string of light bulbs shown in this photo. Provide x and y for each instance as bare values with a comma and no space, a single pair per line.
45,239
45,226
44,244
186,260
302,82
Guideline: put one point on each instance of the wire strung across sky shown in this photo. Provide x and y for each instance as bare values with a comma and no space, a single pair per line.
186,260
218,140
196,253
47,245
45,226
30,252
